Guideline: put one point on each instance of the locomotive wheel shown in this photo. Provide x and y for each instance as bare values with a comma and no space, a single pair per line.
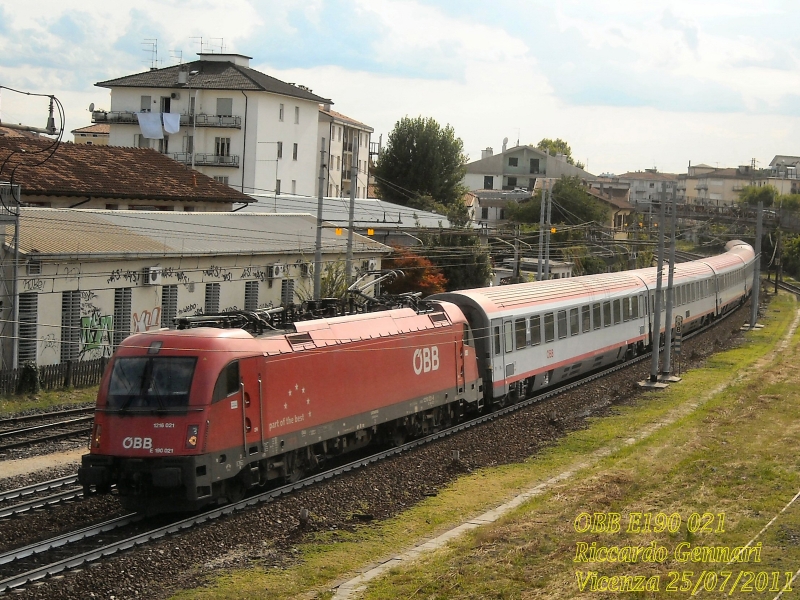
235,489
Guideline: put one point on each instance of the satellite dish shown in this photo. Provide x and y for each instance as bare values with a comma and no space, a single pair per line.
505,140
91,107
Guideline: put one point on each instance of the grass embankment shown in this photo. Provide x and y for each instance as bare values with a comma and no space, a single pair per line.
47,400
706,445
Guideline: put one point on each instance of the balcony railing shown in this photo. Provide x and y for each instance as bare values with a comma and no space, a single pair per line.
115,116
216,161
129,117
232,122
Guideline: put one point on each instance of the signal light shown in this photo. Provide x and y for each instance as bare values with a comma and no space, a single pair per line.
552,230
98,429
370,232
191,436
338,231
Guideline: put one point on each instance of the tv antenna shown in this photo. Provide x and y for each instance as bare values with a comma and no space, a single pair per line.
151,46
200,39
178,54
221,46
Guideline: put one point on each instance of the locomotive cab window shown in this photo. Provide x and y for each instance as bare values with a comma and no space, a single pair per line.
227,382
151,382
468,336
536,330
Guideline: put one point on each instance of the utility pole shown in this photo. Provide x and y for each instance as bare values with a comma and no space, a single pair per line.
667,367
757,269
541,231
549,227
656,334
318,246
348,265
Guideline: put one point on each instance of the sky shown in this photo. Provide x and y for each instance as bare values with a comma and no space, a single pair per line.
630,85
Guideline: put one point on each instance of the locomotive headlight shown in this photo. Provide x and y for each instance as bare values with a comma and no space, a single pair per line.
98,429
191,436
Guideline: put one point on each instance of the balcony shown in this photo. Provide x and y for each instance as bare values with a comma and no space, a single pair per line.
701,186
125,117
213,160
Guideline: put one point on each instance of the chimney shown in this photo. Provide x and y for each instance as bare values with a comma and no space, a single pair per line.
326,107
505,143
487,153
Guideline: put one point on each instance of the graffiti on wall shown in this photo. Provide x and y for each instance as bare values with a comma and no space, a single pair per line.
147,320
96,335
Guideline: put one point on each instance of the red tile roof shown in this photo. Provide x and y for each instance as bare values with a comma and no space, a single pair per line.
341,117
96,128
106,172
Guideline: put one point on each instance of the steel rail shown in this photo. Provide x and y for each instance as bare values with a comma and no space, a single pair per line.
45,438
24,507
50,415
69,538
55,568
37,487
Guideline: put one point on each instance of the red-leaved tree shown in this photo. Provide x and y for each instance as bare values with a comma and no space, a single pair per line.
419,274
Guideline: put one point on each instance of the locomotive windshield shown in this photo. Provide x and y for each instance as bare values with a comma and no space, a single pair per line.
151,382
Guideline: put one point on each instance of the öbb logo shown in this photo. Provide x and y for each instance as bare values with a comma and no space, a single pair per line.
137,443
426,360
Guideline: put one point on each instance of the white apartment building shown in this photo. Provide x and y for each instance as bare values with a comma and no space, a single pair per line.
242,127
348,141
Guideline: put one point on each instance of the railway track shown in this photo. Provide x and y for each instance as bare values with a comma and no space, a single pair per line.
35,562
32,499
45,427
788,287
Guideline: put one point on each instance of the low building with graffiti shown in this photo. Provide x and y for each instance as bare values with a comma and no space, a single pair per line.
109,177
86,279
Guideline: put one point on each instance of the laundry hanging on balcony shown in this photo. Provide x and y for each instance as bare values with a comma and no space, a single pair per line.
172,122
150,124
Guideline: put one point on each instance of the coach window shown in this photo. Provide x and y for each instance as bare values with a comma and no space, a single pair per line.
574,322
508,335
586,318
519,332
617,311
536,330
626,309
635,307
549,328
497,341
606,313
598,322
227,382
562,324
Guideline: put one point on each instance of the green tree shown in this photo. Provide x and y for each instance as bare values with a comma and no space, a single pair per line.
751,195
420,159
558,146
571,204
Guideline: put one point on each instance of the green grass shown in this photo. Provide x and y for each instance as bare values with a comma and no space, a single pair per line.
45,400
529,552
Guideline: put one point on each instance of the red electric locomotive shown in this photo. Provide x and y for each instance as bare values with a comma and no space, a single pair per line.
185,418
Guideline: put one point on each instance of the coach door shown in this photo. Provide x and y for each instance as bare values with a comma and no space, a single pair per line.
502,346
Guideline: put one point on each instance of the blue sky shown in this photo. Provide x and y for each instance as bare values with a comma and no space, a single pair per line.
629,84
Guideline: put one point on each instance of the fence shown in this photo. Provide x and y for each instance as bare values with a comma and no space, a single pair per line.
51,377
